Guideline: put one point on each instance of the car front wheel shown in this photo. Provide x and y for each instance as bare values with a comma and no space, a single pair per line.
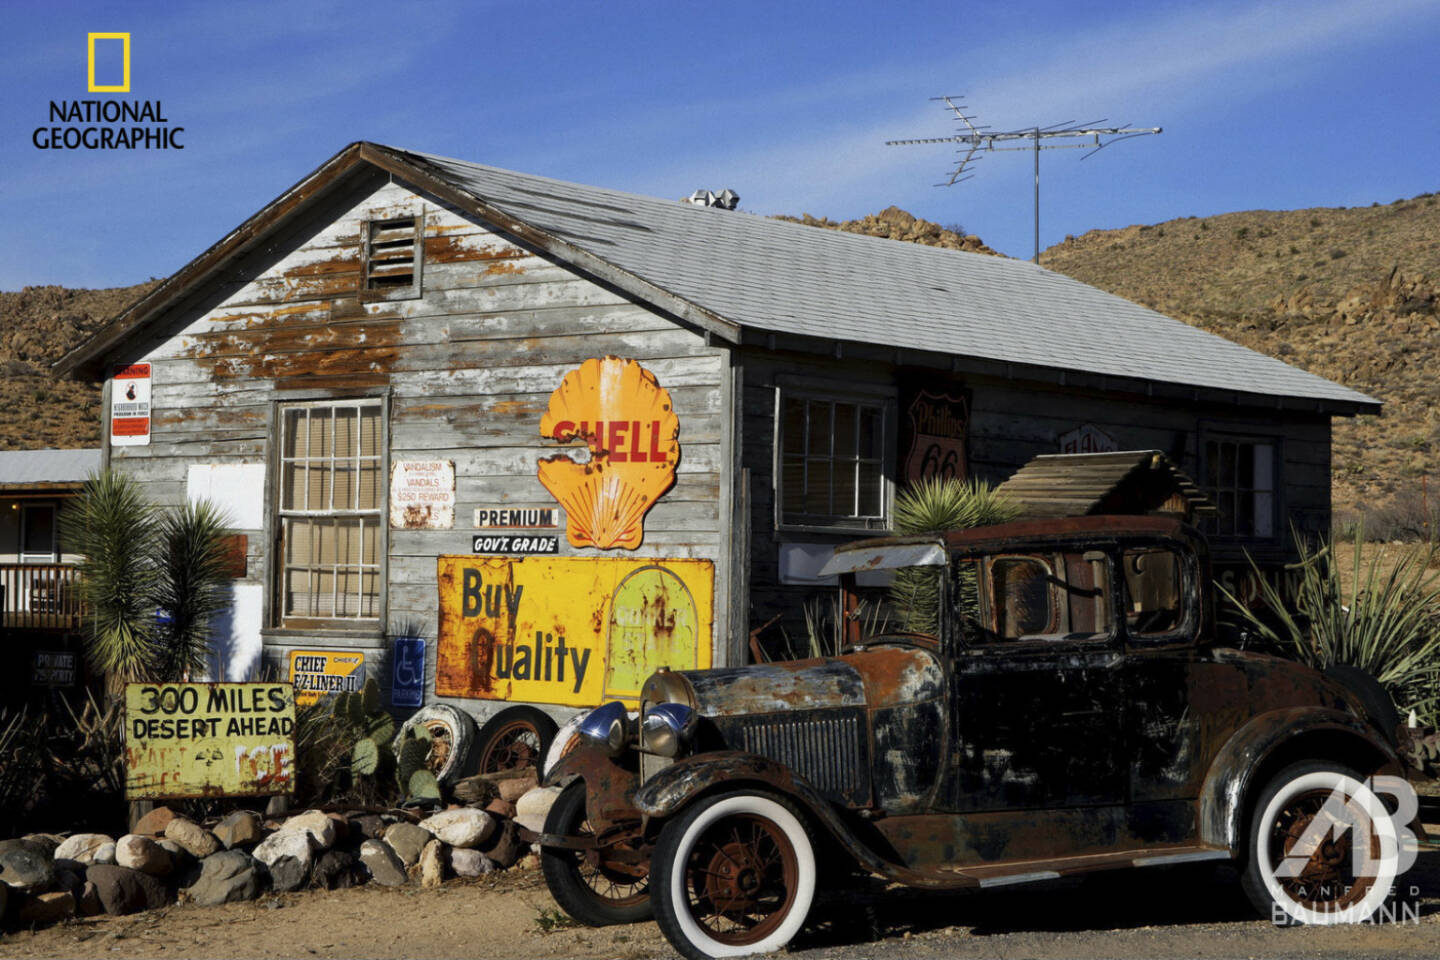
733,875
1316,838
598,887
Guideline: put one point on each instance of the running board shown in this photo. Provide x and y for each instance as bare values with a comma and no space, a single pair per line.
1035,871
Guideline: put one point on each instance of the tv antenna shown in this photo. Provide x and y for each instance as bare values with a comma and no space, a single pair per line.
976,139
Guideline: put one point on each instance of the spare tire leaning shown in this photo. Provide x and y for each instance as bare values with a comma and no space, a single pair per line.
452,735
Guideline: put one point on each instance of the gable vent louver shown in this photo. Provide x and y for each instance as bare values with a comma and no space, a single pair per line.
390,254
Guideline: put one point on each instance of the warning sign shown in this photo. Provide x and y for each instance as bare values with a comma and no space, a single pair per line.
130,405
208,739
316,673
422,495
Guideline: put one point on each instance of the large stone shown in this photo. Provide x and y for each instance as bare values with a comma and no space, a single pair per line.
122,890
240,829
25,866
69,879
288,855
153,824
432,864
335,870
315,824
143,854
227,877
180,858
193,837
385,867
407,840
532,809
504,846
470,863
516,787
105,854
368,826
465,827
87,901
44,909
49,841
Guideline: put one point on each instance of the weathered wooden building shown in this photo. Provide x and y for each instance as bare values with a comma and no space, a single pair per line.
396,312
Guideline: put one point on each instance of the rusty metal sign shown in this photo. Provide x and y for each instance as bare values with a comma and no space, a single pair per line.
422,495
629,425
208,740
569,630
936,427
315,673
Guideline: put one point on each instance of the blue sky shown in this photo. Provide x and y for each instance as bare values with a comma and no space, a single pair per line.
1273,105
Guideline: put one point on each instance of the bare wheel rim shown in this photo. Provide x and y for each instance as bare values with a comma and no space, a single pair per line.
1327,883
514,746
741,879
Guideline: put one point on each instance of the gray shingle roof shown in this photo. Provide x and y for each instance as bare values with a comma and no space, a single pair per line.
781,277
26,467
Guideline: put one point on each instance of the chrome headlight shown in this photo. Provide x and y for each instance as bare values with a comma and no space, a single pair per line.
667,728
605,727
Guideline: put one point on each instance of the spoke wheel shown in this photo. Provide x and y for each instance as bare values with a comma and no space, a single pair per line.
1327,882
514,739
595,886
733,875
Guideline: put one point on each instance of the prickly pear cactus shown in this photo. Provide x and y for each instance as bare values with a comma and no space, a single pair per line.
422,785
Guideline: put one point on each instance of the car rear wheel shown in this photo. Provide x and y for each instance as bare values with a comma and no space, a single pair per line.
595,887
1315,847
513,739
733,875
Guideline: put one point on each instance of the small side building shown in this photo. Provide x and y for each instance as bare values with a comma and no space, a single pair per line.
428,389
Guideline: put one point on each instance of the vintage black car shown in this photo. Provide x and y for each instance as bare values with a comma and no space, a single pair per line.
1073,711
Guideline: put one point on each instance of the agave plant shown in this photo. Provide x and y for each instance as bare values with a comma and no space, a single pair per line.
1390,626
935,505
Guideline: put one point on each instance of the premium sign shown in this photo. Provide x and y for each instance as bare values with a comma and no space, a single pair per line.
422,495
516,518
568,630
315,673
208,740
130,405
628,422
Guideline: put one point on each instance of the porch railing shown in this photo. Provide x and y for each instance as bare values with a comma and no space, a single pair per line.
40,596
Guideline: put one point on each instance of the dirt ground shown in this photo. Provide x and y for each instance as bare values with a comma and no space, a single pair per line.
1188,912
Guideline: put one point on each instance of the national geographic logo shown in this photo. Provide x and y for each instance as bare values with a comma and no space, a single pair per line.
108,124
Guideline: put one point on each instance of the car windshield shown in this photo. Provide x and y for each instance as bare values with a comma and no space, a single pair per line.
1034,595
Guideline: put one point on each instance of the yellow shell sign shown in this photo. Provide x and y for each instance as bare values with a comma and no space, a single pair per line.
575,631
627,420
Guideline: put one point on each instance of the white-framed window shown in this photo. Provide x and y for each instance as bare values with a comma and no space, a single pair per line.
394,258
38,539
1242,477
833,456
330,511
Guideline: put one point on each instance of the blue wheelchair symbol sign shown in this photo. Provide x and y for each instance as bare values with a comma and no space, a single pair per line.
407,682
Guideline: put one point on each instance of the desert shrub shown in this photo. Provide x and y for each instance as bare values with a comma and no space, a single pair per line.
1383,621
63,769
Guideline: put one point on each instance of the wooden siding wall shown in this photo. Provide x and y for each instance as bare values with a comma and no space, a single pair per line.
468,368
1012,422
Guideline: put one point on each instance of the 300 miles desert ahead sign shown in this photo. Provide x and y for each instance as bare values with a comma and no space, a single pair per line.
208,740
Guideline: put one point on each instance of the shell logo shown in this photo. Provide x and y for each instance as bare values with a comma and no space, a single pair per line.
629,425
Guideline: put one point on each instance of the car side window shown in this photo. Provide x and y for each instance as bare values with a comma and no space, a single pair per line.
1154,598
1040,596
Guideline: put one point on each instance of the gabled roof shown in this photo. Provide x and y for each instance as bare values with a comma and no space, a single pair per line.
748,278
1124,482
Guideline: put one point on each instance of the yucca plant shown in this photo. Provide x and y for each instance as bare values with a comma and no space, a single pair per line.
1388,627
191,585
934,506
113,527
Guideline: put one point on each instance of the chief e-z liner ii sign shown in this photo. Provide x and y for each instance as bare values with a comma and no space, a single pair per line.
573,631
208,740
316,673
130,405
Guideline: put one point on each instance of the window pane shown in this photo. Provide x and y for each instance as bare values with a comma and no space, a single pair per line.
320,433
872,490
817,486
844,430
1022,597
794,425
1227,464
1245,471
39,530
819,433
872,433
1153,592
1264,514
369,486
1264,466
370,431
792,483
295,434
345,430
344,479
843,503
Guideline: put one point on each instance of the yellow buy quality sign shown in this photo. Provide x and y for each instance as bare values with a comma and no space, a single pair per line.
572,631
208,740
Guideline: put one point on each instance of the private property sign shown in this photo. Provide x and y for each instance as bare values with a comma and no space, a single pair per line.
208,740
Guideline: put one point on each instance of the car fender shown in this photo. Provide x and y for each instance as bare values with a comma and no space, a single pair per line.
609,785
1231,778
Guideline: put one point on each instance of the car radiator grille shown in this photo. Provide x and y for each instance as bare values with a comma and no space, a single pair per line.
825,752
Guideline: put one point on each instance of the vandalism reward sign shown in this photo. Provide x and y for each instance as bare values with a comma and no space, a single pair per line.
208,739
568,630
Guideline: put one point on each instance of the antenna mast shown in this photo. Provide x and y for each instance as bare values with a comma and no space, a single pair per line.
976,139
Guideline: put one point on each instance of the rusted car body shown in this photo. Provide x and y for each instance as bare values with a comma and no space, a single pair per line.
1074,712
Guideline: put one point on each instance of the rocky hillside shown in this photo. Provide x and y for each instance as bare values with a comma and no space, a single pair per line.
37,325
895,224
1349,294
